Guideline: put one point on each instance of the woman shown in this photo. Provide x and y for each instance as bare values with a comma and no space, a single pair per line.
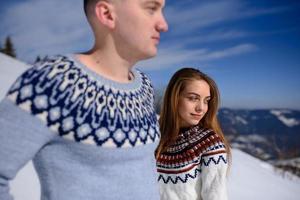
192,156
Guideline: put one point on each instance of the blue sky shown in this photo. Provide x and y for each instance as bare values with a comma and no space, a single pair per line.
250,47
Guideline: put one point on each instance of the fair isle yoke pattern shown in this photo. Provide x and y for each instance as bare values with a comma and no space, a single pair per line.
194,149
77,106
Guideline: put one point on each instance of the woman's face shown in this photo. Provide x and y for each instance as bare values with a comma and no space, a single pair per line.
193,102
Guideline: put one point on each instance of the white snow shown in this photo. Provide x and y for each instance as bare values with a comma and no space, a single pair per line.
226,111
10,69
26,185
290,122
253,117
249,178
281,111
251,138
240,119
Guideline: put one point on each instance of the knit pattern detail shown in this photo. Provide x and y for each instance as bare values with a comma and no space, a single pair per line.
194,149
79,107
181,179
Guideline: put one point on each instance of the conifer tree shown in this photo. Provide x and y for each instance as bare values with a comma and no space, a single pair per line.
1,49
38,59
8,48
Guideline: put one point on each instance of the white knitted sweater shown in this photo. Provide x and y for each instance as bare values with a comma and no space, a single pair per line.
194,168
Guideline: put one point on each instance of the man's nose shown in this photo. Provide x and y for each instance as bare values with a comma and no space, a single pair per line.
162,25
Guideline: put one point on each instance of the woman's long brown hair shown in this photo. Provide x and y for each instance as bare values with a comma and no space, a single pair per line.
169,118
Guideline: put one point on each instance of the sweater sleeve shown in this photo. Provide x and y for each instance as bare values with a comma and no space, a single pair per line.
21,137
213,173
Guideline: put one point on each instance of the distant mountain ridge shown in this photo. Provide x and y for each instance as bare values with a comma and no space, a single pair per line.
272,135
264,133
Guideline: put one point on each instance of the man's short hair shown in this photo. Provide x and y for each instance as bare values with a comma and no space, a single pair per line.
87,4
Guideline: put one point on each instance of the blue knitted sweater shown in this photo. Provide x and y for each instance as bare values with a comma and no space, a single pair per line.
89,137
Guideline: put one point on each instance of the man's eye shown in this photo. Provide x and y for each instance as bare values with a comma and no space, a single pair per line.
152,9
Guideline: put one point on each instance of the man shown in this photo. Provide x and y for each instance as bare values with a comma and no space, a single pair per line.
87,120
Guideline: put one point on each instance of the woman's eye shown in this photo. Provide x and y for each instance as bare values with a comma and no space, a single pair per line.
193,98
207,101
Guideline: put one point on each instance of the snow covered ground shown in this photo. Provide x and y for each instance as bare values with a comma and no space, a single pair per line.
10,69
249,178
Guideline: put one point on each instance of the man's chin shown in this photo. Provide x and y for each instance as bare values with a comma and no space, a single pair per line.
150,54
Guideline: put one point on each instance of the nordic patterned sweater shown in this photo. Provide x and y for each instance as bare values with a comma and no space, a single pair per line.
194,167
89,137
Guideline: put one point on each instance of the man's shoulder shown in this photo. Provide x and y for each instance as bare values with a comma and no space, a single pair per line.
42,75
49,63
55,63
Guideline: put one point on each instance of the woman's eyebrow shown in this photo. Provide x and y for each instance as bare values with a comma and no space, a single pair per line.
193,93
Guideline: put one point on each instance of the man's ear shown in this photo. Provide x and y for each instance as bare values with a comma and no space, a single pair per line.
105,14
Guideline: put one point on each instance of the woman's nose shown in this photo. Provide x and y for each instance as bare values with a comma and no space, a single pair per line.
199,107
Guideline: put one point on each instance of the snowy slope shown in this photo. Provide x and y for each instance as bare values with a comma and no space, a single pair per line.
10,69
290,122
25,185
249,178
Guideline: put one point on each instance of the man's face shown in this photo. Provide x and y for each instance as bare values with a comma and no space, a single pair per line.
138,27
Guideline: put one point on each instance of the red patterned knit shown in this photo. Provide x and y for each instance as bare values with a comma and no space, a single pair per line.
194,167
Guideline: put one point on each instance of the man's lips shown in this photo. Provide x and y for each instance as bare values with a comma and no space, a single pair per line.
157,38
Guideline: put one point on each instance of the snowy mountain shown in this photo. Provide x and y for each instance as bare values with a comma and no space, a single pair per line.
249,179
269,134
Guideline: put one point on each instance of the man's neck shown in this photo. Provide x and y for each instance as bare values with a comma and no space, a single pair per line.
108,65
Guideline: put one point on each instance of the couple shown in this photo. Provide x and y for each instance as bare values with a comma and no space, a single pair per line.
88,123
